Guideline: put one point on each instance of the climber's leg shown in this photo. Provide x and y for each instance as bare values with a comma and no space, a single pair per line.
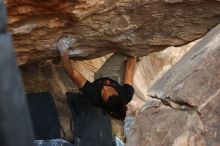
113,68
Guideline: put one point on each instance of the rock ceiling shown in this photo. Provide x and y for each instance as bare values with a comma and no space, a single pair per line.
134,27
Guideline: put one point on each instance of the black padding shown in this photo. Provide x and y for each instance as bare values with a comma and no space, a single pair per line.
91,126
44,115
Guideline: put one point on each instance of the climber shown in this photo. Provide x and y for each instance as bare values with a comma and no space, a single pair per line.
106,91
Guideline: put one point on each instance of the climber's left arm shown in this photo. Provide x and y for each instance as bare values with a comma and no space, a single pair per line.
129,70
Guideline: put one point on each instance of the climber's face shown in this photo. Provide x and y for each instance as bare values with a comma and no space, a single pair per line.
107,92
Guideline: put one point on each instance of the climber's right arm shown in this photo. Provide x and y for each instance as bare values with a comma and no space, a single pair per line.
78,79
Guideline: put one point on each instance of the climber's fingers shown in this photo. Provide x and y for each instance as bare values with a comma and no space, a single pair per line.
64,43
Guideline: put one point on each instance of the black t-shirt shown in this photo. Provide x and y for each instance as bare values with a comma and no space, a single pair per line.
93,91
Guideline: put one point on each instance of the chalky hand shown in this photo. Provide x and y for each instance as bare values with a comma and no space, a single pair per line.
63,44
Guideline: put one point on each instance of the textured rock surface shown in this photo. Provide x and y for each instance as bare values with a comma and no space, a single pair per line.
190,91
161,126
102,26
154,65
49,76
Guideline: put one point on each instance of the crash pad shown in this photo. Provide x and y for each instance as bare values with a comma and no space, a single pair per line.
53,142
44,115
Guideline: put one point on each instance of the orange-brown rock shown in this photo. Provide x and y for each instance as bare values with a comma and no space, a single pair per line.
103,26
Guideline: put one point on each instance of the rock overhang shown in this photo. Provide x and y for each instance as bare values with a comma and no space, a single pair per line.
106,26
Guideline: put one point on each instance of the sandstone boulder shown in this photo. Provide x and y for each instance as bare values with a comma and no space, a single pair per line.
190,93
137,27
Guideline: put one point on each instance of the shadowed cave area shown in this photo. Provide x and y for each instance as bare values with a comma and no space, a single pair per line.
176,79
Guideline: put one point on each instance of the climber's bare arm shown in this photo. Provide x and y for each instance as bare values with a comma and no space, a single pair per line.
62,45
129,70
78,79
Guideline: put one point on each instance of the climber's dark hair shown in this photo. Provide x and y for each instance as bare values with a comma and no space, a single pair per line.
113,104
120,114
115,107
